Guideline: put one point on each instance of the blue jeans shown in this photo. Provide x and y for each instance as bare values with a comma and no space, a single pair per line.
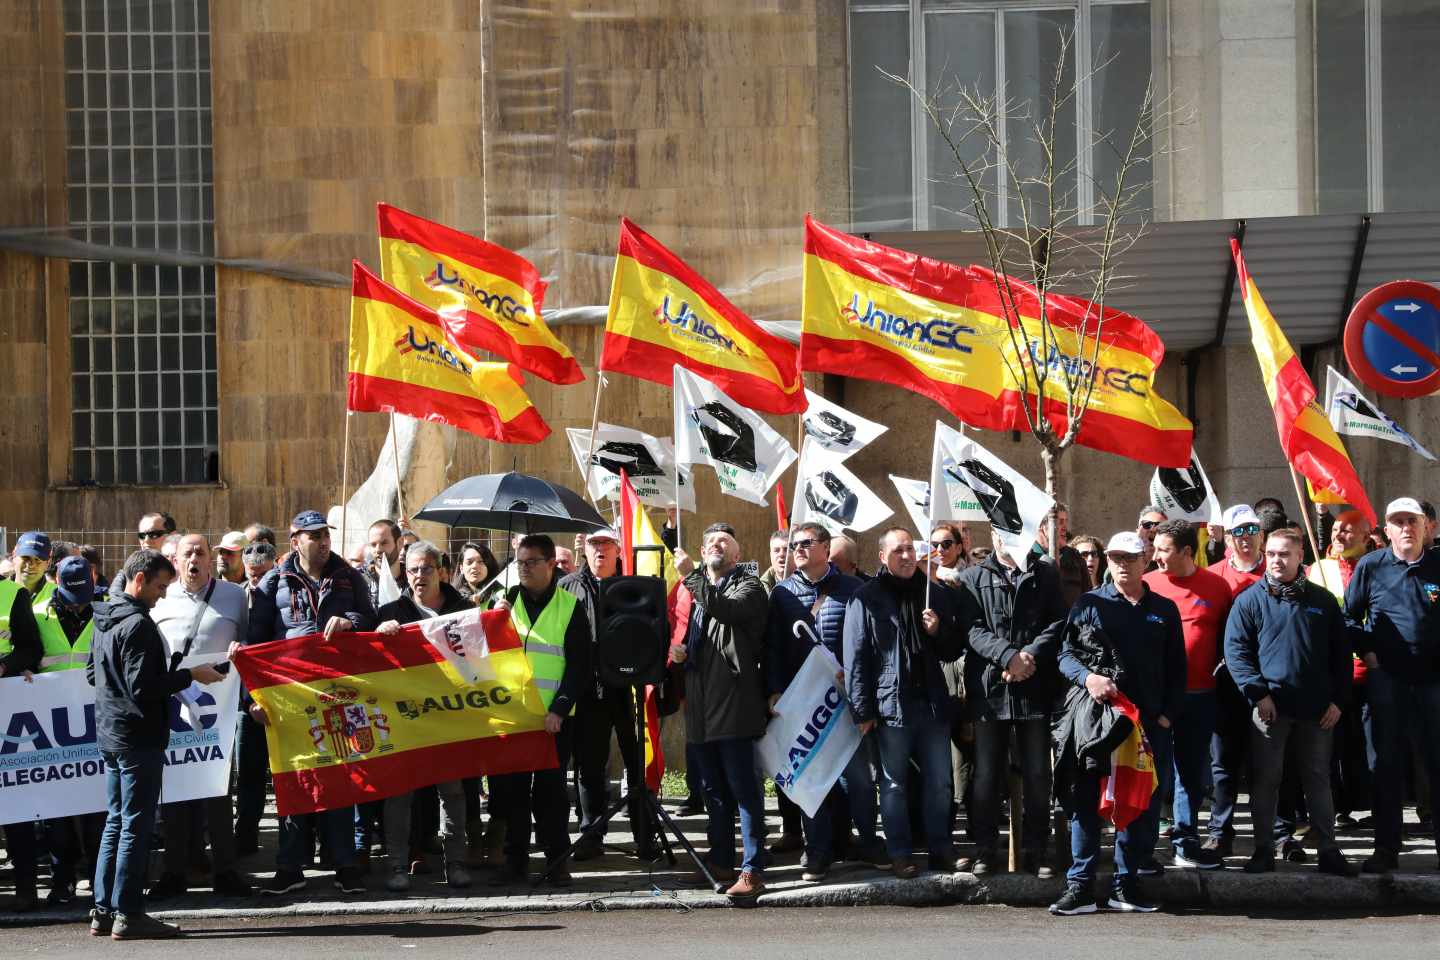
926,738
1192,733
858,783
297,838
132,796
1401,713
1136,843
727,771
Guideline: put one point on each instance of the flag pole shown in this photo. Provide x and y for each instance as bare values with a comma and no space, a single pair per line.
1309,528
594,424
395,452
679,544
345,483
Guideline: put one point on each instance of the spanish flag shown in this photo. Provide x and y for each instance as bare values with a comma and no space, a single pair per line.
365,716
489,297
663,313
636,529
402,362
1308,439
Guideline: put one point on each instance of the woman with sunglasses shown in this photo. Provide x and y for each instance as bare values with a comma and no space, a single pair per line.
949,553
1092,551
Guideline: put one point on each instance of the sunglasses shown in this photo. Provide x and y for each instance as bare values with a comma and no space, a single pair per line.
942,544
150,534
805,544
1087,554
1150,524
1121,558
1247,530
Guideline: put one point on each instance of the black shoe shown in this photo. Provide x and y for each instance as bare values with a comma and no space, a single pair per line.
229,883
1293,851
788,843
60,894
589,847
1381,861
1198,857
511,872
1074,901
247,846
814,869
873,853
1222,847
1261,861
692,807
350,879
1126,898
142,926
1334,863
169,886
1150,868
101,922
1343,821
283,882
560,876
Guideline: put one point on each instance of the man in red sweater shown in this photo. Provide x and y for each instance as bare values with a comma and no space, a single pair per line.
1204,602
1243,563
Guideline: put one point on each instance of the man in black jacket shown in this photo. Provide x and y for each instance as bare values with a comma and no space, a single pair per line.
129,670
1286,648
1011,682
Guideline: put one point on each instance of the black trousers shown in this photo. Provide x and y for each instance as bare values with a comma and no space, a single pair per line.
540,794
252,770
594,721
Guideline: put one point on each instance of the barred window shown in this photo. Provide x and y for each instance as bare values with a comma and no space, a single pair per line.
139,177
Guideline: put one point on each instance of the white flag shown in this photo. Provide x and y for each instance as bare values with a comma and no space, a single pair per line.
1185,493
811,735
831,495
711,428
915,495
1014,506
648,461
1352,415
837,433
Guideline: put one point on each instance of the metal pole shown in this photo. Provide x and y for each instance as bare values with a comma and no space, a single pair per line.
594,423
345,486
395,451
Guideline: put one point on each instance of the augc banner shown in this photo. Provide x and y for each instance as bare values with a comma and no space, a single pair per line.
812,735
49,763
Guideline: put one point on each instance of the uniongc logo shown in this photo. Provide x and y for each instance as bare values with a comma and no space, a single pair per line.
937,331
692,323
503,306
1115,378
421,343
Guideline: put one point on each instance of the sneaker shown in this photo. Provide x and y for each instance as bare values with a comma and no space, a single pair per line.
905,868
1343,821
873,853
1127,899
456,875
60,894
749,886
398,880
1167,828
787,843
590,846
101,922
283,882
1150,868
1292,851
814,869
1222,846
1074,901
141,926
169,886
229,883
1334,863
350,879
1198,857
1381,861
984,862
1261,861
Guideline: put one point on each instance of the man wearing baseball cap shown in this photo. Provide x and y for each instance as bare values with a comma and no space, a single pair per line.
228,563
1145,630
314,590
1391,604
20,653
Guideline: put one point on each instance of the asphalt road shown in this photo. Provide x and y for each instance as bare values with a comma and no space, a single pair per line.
787,934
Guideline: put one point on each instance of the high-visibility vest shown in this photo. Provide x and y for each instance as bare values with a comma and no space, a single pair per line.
59,654
9,590
544,640
41,598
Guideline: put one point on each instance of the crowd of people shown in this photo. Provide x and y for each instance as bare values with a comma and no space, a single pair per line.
1315,685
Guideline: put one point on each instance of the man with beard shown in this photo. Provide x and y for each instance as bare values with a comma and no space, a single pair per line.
229,557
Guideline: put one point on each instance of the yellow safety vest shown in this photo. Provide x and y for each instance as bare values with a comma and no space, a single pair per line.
9,590
544,640
59,654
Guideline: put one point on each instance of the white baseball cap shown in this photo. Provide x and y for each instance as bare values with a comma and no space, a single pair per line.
1238,516
604,533
1126,541
1404,505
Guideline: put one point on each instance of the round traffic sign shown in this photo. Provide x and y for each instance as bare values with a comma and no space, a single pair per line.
1392,339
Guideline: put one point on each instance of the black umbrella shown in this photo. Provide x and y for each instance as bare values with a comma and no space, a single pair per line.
513,502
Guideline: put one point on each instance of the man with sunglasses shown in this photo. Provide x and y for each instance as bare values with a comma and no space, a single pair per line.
806,608
153,529
1150,519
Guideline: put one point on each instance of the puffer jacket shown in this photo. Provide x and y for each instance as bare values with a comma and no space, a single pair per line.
790,604
1021,615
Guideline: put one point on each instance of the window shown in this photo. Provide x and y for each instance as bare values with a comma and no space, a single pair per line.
138,176
903,174
1375,124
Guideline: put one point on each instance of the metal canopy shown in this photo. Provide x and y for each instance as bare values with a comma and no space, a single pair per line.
1175,275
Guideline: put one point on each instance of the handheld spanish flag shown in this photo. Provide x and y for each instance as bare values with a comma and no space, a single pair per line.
365,716
402,362
1306,436
1126,791
662,313
489,297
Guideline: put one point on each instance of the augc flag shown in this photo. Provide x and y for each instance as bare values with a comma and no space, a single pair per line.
489,297
366,716
1306,436
402,362
662,313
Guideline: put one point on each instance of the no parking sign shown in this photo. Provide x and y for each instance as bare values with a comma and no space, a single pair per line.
1392,339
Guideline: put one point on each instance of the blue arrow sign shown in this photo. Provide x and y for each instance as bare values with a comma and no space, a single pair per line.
1387,352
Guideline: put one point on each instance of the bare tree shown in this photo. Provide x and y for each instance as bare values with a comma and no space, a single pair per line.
1047,249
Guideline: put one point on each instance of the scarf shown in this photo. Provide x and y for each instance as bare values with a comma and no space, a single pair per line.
910,602
1292,592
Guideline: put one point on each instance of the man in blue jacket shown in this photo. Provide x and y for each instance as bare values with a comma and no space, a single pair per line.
1144,628
1286,649
805,607
1393,605
894,643
314,590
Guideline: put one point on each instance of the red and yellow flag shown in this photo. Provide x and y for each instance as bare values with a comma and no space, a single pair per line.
402,362
1306,436
636,529
365,716
489,297
663,313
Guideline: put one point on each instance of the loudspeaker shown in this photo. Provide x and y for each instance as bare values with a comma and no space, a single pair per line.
631,633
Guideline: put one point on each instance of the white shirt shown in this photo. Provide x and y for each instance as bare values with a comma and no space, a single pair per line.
226,617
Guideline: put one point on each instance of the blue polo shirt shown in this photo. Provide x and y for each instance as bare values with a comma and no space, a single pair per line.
1393,609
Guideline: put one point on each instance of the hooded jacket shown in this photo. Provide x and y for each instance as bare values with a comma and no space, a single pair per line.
287,603
129,668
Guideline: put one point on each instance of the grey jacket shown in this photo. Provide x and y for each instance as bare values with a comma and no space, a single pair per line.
725,656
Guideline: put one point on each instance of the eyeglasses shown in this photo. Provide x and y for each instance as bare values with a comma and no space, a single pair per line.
1120,558
806,544
1087,554
941,544
531,564
1150,524
1246,530
420,571
150,534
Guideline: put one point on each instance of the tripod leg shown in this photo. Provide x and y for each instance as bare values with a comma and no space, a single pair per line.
704,868
596,827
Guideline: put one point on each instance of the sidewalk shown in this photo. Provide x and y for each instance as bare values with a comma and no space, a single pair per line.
617,881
